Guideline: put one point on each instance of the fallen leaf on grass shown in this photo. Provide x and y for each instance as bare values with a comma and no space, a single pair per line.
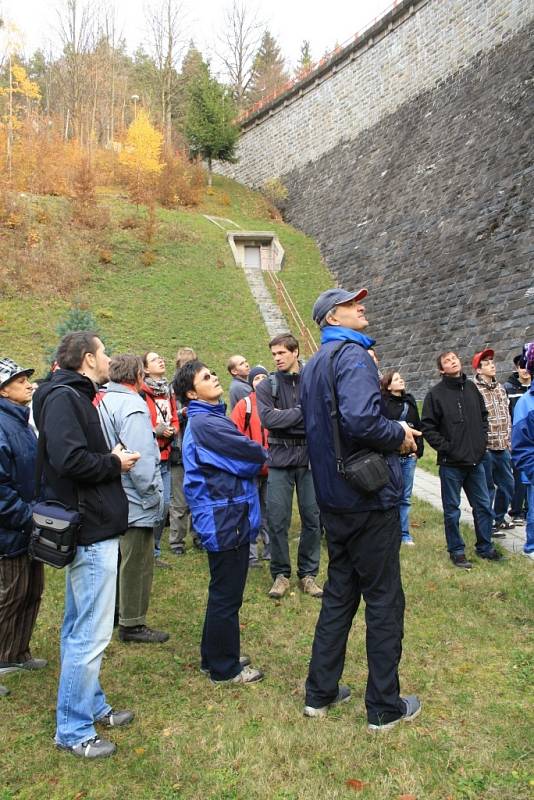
79,795
139,751
354,783
166,732
407,797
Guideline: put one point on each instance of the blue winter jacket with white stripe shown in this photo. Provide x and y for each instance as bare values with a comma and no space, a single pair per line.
523,436
18,453
220,465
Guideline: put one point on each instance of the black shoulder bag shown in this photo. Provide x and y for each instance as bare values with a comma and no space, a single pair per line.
54,536
366,471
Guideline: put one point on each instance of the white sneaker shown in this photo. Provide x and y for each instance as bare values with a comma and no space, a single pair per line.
529,555
247,675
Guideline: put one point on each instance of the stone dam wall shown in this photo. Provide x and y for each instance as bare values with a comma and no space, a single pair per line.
410,161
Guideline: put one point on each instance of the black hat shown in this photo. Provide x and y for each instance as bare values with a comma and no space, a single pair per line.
257,370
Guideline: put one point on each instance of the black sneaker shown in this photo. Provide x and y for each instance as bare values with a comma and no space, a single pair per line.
92,748
461,561
4,691
143,634
492,555
116,719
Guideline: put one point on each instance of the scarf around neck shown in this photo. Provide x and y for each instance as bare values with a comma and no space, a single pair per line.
159,386
336,333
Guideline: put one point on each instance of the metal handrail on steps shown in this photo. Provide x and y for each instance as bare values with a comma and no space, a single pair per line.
308,343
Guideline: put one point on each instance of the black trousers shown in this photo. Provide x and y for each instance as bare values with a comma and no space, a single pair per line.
220,646
363,554
21,587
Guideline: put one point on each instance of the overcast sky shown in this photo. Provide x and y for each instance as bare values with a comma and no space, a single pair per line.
323,24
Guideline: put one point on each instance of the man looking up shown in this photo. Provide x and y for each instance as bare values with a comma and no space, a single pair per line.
239,369
81,472
455,423
518,384
497,461
279,410
363,531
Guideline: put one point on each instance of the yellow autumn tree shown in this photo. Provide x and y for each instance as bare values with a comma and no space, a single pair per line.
141,158
19,93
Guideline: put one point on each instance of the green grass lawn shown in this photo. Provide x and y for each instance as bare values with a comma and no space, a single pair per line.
467,653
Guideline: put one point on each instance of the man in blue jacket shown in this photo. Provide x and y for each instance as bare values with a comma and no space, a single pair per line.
220,465
362,531
523,447
21,580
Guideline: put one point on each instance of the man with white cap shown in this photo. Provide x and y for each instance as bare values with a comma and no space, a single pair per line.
341,405
21,580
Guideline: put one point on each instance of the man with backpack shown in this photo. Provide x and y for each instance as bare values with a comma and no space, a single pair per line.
245,416
280,412
80,472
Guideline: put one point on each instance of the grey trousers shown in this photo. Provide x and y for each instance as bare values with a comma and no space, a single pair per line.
280,487
135,575
179,514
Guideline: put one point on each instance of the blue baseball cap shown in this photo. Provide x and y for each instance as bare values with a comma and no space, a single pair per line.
334,297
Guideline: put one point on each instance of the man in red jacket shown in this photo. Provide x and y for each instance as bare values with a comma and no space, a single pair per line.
245,415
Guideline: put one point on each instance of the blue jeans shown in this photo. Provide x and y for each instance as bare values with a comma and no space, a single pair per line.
500,480
519,500
473,481
408,464
86,632
160,524
529,544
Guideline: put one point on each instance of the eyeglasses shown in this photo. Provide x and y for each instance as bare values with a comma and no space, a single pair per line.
207,376
154,358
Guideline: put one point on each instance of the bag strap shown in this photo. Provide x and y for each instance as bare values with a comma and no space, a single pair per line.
41,448
248,412
334,414
103,405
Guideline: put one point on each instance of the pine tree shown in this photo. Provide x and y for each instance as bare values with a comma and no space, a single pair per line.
269,74
305,63
77,318
210,126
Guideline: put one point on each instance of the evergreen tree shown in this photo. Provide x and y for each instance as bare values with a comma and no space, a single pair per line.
305,62
269,74
210,126
193,66
77,318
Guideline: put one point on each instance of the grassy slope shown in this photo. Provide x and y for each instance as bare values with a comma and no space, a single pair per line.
193,294
466,646
466,652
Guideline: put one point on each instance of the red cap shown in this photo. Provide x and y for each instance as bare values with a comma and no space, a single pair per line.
482,356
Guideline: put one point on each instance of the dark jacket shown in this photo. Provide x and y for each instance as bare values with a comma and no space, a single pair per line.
282,416
393,409
454,422
18,448
239,388
362,425
78,463
514,389
220,465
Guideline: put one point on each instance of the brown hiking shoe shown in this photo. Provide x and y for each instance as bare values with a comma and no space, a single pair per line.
279,587
308,586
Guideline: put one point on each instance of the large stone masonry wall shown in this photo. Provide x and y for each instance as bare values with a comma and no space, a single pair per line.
432,211
412,168
419,44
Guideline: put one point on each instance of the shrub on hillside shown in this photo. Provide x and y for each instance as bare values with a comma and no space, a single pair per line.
86,210
275,193
181,183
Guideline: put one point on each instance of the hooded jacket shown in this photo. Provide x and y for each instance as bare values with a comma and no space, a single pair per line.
515,389
282,416
454,422
254,429
220,465
125,418
155,403
18,449
523,436
362,423
499,422
78,465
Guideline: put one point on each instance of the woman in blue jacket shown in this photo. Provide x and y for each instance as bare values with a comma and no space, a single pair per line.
220,465
21,580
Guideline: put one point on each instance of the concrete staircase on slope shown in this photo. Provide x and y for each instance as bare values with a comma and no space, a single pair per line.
274,320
